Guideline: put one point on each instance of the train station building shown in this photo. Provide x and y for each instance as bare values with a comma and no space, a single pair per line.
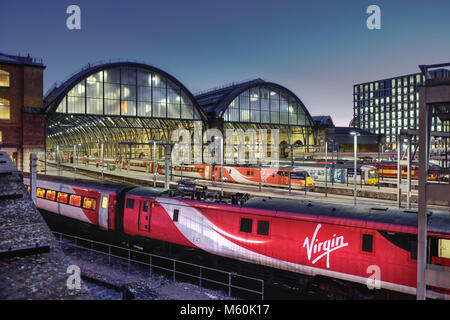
121,106
22,120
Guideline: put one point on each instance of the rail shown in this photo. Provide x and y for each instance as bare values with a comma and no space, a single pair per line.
151,262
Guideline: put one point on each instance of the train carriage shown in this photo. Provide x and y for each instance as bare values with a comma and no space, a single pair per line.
336,241
366,174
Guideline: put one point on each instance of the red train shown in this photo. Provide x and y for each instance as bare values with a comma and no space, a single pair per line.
336,241
389,170
232,173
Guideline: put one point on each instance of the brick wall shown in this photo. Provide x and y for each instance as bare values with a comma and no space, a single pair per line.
25,130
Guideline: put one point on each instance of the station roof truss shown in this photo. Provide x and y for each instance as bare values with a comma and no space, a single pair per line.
72,129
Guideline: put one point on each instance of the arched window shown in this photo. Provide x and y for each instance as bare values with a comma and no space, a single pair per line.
4,109
4,78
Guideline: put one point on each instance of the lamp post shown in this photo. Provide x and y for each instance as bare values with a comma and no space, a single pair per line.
326,164
155,164
221,163
58,160
75,159
326,167
355,173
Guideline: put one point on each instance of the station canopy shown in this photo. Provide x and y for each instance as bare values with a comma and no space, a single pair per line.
118,102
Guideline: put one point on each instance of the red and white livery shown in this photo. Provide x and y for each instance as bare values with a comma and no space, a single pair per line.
337,241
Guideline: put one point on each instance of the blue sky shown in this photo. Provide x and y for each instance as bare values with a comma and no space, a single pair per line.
318,49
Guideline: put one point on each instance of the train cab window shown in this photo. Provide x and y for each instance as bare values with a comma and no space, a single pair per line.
367,243
263,228
130,203
75,200
175,214
145,206
62,197
40,193
51,195
89,203
246,225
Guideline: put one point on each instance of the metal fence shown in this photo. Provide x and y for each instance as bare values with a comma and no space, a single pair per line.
204,275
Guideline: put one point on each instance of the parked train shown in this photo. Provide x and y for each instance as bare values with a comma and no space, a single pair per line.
283,176
389,169
335,241
366,174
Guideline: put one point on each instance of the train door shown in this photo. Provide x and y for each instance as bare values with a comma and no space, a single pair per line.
103,211
207,172
144,215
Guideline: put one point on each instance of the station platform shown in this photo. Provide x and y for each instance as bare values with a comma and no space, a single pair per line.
32,265
338,193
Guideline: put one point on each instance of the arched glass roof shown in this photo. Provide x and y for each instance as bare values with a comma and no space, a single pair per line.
124,89
256,101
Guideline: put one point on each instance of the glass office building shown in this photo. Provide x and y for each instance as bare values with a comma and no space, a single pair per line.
386,106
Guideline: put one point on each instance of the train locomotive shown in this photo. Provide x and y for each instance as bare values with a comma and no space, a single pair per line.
308,239
343,173
244,174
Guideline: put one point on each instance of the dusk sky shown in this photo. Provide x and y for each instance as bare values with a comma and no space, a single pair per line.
318,49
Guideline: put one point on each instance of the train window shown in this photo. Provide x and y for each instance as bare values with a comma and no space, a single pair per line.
105,202
145,206
367,243
62,197
75,200
130,203
89,203
51,195
263,228
246,225
40,193
175,214
444,248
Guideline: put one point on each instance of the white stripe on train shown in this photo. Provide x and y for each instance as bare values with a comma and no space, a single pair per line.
202,233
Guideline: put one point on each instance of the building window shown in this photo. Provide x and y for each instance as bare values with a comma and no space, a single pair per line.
4,109
4,78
